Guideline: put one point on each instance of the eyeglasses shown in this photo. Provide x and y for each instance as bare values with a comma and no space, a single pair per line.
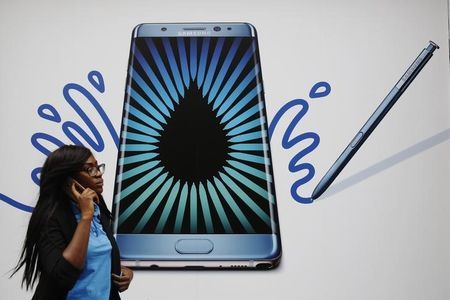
92,171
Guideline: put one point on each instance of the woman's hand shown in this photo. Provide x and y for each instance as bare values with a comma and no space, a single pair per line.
75,253
85,200
123,282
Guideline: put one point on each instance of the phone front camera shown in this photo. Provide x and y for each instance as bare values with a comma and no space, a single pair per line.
163,29
217,28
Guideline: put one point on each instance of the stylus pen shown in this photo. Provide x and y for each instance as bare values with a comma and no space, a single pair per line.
375,119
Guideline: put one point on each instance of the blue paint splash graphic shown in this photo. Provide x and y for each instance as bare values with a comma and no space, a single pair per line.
71,129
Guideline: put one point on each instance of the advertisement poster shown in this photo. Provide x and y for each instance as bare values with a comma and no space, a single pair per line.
382,228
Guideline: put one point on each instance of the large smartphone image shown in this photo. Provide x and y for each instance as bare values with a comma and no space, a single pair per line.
194,183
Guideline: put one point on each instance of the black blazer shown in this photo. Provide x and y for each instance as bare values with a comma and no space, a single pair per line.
58,276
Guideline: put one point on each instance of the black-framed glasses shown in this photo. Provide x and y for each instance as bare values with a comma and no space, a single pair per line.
92,171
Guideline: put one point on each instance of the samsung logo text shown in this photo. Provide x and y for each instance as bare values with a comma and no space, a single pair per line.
194,33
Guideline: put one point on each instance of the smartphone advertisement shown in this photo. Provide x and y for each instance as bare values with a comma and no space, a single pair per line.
246,149
194,172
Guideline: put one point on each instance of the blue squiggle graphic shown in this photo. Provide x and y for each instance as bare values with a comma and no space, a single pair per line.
96,79
70,126
320,89
15,203
35,141
48,112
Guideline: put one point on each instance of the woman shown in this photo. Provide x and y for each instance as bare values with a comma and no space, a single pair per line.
69,246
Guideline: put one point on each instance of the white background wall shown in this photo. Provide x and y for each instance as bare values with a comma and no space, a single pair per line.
386,237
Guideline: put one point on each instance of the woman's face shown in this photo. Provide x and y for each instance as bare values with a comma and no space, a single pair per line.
94,182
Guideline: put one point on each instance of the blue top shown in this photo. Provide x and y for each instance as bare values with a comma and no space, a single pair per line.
94,282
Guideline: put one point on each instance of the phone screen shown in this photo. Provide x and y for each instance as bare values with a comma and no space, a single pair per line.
194,154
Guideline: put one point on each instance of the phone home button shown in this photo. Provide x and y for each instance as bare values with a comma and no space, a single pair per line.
194,246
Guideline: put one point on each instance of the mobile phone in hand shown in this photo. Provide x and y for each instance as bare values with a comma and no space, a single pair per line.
68,187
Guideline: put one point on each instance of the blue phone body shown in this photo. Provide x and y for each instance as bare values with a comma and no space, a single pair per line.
194,181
